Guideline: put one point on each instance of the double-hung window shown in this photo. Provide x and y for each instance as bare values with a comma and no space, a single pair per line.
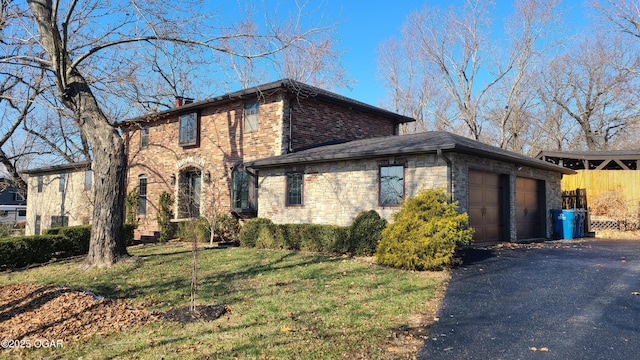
88,179
294,189
62,183
251,116
391,185
144,136
142,195
40,183
188,129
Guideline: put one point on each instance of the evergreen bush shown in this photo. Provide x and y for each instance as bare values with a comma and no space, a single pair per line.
425,233
165,214
365,232
251,230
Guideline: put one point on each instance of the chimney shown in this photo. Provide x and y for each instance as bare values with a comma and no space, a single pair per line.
181,100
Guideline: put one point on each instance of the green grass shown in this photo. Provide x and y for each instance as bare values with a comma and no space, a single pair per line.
284,305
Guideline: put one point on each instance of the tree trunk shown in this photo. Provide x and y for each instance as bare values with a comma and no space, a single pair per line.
109,162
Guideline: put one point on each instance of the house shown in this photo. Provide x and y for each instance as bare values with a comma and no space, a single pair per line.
59,196
607,183
196,150
13,202
295,153
508,196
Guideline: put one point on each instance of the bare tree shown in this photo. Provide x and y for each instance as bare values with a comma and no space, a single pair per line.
86,46
596,88
623,14
446,66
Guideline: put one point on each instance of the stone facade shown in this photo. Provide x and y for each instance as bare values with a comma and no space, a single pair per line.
335,192
59,195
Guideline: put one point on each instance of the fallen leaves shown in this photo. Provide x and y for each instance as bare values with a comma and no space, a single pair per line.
31,311
542,349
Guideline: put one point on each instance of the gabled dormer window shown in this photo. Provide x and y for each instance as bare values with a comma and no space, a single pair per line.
189,129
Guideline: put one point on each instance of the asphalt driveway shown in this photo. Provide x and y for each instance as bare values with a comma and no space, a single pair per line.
558,300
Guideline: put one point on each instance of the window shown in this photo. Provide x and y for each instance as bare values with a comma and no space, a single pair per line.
88,175
144,136
142,192
61,184
18,196
59,221
22,212
240,196
188,130
294,189
40,183
391,185
251,116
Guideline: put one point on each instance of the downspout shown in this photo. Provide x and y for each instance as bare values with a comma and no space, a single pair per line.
442,156
290,139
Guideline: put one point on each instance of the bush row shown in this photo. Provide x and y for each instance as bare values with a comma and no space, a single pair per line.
61,242
359,239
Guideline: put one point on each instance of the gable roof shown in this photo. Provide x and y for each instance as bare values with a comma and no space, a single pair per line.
301,90
427,142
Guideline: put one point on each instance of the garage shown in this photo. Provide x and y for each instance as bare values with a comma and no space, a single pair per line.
528,219
486,204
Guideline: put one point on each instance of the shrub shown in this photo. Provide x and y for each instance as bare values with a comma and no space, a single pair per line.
128,234
226,228
251,229
165,214
20,251
365,232
425,233
131,207
262,233
198,228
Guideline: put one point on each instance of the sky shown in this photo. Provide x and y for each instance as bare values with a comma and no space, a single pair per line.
364,24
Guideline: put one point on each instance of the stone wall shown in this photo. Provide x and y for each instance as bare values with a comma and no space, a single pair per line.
334,193
75,202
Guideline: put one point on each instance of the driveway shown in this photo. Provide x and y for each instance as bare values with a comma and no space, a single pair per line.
557,300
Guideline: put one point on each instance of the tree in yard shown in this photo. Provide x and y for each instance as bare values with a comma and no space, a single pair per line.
448,72
85,47
596,88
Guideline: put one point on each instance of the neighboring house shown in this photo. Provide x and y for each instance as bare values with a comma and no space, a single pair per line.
602,178
508,196
59,196
13,202
196,150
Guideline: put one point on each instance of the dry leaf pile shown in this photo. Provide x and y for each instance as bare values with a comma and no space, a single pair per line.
51,312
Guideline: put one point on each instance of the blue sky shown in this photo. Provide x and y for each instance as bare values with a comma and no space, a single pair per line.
364,24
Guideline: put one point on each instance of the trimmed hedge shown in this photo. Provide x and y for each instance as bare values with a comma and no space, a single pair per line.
263,233
61,242
16,252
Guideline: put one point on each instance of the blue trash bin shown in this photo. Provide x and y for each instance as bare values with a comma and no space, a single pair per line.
578,231
563,223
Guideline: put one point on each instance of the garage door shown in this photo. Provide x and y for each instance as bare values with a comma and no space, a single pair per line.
486,206
528,222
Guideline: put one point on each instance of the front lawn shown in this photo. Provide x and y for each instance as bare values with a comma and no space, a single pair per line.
282,305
